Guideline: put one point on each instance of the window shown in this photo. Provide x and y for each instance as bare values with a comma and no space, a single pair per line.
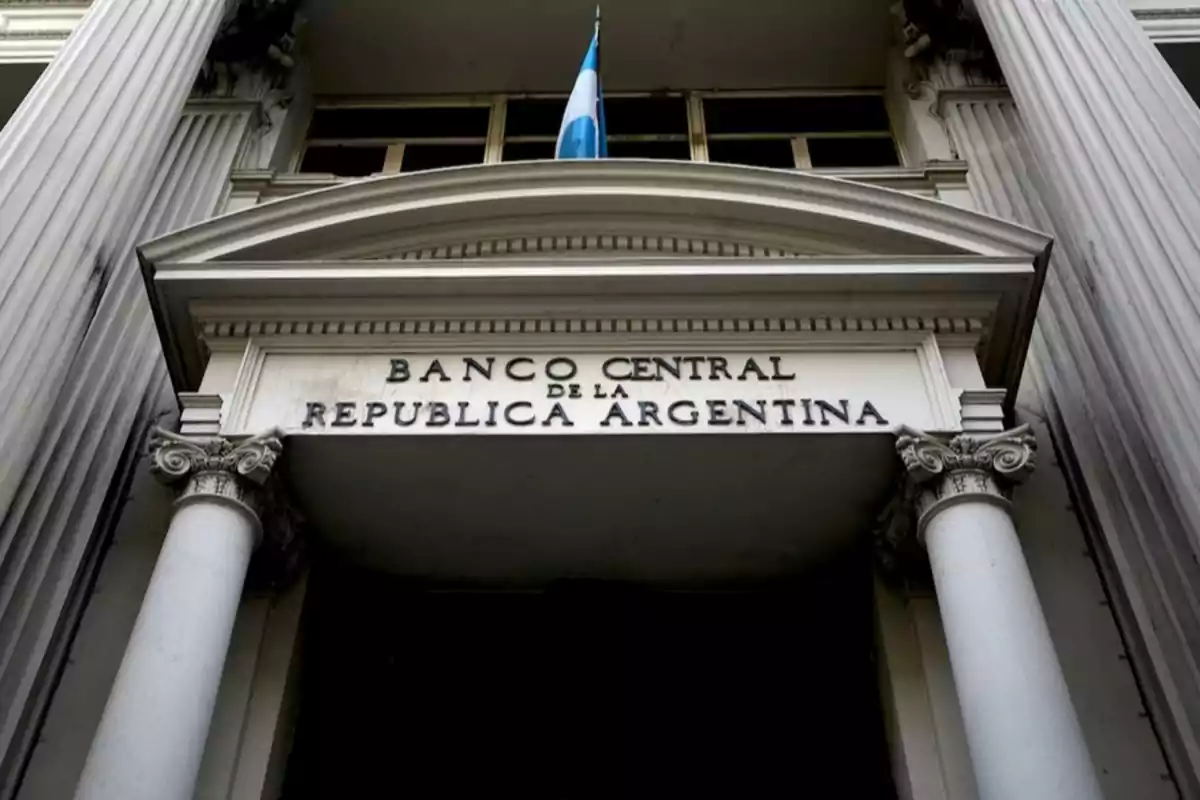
753,152
764,129
348,161
806,131
531,128
852,151
647,127
638,127
353,142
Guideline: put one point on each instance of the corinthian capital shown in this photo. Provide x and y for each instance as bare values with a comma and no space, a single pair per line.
967,467
215,467
1010,456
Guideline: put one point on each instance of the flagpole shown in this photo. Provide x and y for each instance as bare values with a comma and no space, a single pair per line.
602,133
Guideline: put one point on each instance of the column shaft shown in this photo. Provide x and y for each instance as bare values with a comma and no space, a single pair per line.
1024,738
1146,542
118,389
1116,140
152,736
75,160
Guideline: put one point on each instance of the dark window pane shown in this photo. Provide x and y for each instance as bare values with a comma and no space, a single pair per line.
852,153
756,153
679,151
642,115
534,117
622,115
528,151
795,114
398,123
432,156
345,161
1184,60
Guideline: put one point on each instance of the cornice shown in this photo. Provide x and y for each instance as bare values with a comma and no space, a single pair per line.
296,248
34,32
267,185
382,303
1170,25
305,224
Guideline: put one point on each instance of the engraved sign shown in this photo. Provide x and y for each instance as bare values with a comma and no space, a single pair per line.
601,393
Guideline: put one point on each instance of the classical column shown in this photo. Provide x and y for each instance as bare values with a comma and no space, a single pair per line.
1116,141
1022,732
152,735
1140,527
76,159
1104,151
118,386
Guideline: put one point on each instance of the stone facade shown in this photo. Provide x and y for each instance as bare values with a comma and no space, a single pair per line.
1090,138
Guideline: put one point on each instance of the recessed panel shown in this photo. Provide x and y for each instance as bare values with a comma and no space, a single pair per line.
618,391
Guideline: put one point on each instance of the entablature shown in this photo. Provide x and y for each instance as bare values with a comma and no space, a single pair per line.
675,252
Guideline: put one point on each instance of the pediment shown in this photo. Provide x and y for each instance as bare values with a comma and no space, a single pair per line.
532,208
600,240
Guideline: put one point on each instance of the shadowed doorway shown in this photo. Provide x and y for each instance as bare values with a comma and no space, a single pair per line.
590,690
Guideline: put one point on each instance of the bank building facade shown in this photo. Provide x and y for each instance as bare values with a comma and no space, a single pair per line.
834,435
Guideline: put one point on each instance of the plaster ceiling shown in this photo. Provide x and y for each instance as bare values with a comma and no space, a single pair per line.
454,46
680,511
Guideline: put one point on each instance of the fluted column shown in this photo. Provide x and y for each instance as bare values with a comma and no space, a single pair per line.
1022,733
1116,140
118,387
75,160
1146,545
80,370
151,737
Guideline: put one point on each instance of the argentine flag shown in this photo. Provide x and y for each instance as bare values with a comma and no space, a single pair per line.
582,134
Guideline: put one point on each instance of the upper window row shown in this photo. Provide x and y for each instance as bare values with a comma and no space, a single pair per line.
758,130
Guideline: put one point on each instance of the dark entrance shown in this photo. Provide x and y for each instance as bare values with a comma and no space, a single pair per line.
590,691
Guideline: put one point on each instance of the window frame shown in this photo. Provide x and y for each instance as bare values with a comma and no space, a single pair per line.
800,150
697,136
620,137
394,157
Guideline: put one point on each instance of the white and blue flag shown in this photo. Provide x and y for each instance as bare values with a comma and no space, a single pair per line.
582,134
